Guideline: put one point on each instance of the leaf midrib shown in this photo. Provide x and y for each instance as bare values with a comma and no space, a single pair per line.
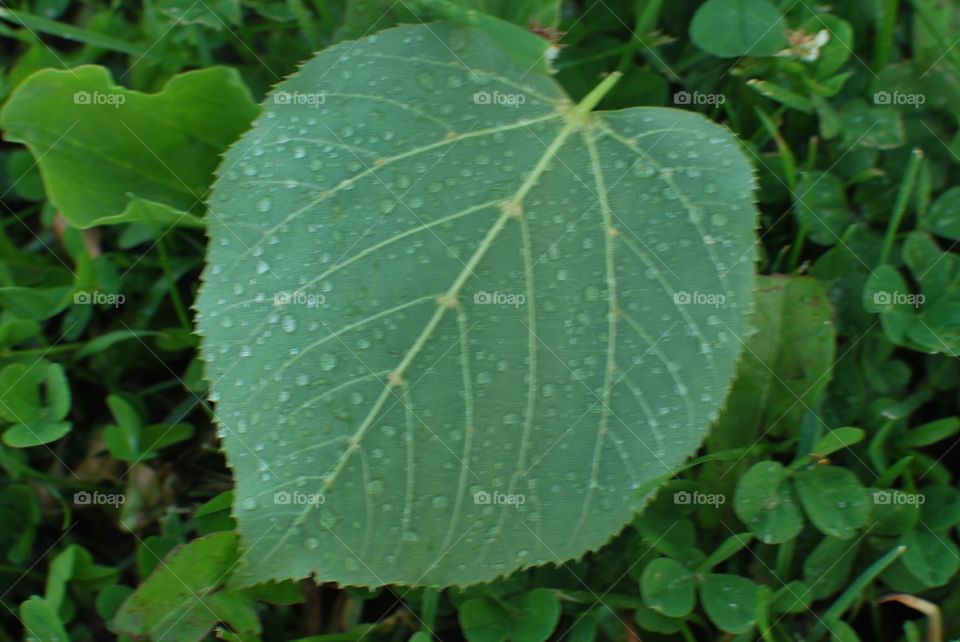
575,119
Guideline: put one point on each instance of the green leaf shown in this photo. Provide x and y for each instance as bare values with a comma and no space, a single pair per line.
41,621
886,292
932,268
123,440
931,432
20,393
287,592
483,620
17,330
215,14
23,171
19,516
727,549
35,433
152,550
877,127
109,601
732,28
158,436
930,557
69,563
184,597
777,382
821,207
764,502
792,597
36,304
38,421
667,587
215,514
837,439
538,616
730,601
834,500
827,568
781,95
110,155
650,620
943,217
843,632
941,507
440,402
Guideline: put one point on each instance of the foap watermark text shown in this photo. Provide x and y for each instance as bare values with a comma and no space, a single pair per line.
496,498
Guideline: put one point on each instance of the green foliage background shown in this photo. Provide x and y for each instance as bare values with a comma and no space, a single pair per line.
824,503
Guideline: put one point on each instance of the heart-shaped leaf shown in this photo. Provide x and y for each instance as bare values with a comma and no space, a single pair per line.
764,502
667,586
452,320
532,619
730,601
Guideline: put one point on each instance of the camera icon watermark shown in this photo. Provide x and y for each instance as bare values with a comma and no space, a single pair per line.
898,498
309,299
298,498
96,498
482,297
498,98
898,98
883,297
698,298
83,297
309,99
696,498
698,98
496,498
112,98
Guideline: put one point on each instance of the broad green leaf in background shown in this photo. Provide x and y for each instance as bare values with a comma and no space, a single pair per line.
532,619
777,382
764,502
837,439
36,422
730,601
821,207
827,567
446,311
732,28
834,500
35,303
111,155
943,217
538,616
41,621
183,598
668,587
930,557
865,126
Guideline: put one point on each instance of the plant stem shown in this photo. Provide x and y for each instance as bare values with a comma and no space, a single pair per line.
172,284
883,41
